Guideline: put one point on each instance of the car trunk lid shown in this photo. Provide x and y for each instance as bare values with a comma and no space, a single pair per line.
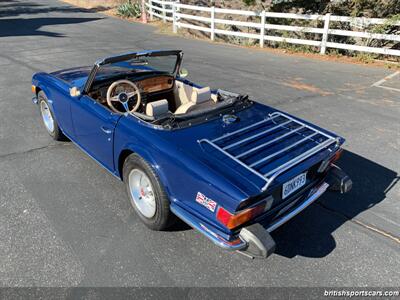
273,150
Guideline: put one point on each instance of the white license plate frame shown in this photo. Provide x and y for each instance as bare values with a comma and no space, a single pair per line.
293,185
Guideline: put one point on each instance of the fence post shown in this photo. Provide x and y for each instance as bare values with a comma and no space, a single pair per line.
213,23
262,29
164,13
325,34
151,11
174,25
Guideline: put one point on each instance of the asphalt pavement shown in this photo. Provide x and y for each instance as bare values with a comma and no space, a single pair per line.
64,221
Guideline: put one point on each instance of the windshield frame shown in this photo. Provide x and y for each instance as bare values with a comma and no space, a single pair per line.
129,56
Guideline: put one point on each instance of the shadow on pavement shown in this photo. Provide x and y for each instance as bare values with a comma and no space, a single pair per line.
13,8
311,233
31,27
11,24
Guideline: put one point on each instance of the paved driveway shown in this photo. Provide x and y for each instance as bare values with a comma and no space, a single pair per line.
65,221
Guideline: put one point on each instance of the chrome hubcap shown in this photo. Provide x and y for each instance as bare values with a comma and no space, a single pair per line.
142,194
47,117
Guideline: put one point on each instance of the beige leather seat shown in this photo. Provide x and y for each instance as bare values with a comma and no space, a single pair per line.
198,96
157,108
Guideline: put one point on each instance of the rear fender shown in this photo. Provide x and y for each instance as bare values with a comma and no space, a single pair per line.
142,152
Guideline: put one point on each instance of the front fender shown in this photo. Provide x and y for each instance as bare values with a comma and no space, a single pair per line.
38,80
57,93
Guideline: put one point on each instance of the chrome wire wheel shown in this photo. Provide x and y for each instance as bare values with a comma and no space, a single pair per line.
47,117
142,193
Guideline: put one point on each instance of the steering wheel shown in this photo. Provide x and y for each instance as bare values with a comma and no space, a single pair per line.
118,93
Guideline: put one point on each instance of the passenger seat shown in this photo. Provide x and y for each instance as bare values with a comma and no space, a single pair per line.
157,109
198,96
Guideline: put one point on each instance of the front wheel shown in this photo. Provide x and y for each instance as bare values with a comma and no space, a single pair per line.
49,121
146,193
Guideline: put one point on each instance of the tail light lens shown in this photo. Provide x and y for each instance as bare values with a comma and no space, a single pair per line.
234,220
327,162
337,155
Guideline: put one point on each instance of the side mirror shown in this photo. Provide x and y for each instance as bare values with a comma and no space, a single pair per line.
74,92
183,73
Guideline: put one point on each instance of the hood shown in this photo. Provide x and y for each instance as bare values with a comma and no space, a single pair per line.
79,75
74,76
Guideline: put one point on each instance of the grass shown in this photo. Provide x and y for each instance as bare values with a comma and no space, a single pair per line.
129,9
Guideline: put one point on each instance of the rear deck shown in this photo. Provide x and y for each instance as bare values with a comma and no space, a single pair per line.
272,146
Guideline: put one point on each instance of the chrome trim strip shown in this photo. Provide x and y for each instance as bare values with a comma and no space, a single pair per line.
323,187
182,214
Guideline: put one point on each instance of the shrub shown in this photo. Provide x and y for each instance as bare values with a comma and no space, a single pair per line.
129,9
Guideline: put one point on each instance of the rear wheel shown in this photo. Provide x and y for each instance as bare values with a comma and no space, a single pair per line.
49,121
146,193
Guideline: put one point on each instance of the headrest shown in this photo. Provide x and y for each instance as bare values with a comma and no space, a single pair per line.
157,108
201,95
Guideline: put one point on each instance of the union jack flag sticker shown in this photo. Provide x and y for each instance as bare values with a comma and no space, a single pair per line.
207,202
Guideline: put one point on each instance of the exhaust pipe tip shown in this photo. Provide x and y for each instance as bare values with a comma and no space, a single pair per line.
338,180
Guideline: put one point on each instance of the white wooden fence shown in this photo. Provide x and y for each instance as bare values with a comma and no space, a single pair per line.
172,11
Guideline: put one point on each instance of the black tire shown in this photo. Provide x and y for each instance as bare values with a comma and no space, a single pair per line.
163,217
56,133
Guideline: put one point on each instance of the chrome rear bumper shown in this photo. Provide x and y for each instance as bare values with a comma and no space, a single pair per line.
249,240
314,194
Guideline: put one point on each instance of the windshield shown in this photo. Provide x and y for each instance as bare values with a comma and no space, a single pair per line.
164,61
151,63
159,64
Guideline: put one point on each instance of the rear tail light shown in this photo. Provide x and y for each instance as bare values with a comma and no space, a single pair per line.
234,220
324,165
337,155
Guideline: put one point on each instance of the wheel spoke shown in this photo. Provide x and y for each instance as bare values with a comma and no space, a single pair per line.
114,99
126,106
131,94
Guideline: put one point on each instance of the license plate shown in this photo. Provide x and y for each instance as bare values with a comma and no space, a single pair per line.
293,185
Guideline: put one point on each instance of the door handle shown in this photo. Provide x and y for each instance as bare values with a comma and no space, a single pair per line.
106,130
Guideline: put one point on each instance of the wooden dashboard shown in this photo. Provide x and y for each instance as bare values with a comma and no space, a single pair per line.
148,85
155,84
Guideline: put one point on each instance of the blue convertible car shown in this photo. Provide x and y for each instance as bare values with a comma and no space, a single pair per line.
232,168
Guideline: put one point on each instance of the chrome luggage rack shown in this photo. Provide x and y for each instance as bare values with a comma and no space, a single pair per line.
281,126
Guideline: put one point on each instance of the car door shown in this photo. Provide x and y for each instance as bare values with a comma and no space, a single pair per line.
94,127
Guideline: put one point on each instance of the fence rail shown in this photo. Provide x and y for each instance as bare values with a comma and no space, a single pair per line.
178,14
